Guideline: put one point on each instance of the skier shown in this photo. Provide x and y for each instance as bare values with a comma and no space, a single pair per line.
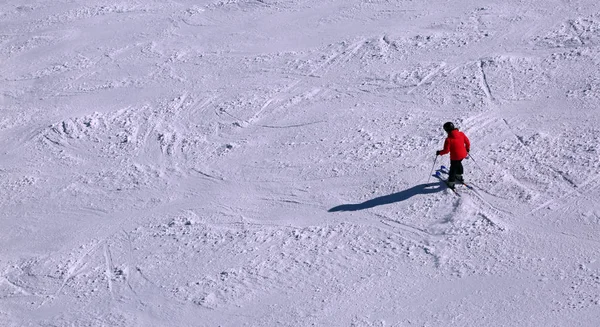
458,145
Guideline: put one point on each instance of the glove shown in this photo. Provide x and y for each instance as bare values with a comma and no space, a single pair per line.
437,153
468,150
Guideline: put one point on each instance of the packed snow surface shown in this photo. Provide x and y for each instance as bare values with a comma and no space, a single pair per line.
269,163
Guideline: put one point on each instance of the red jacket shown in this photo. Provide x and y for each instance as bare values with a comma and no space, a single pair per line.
457,144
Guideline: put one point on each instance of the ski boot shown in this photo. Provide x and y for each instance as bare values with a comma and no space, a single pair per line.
451,184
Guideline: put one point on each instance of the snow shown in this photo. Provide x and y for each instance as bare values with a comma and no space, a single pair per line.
266,163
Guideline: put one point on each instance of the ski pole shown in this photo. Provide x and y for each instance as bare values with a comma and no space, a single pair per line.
432,168
475,161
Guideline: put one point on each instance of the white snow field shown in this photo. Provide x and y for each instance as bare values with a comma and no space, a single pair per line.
267,163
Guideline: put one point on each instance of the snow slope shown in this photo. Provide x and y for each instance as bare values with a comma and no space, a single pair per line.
266,163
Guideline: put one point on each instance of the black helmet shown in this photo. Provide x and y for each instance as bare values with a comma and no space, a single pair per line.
449,127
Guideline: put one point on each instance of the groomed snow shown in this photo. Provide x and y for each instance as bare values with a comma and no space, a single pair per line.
267,163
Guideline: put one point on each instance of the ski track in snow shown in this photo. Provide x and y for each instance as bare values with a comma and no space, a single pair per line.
264,163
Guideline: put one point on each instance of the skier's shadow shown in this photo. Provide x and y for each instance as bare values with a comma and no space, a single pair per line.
391,198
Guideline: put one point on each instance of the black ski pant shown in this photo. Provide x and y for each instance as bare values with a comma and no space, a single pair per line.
456,168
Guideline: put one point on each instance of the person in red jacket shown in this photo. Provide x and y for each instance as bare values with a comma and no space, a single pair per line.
458,145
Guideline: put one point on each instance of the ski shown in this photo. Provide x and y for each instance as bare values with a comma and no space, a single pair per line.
438,175
468,186
444,170
453,189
